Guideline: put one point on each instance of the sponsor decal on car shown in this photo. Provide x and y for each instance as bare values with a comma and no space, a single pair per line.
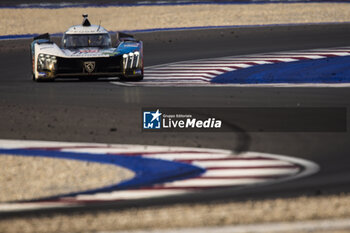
44,48
129,45
88,51
111,53
89,66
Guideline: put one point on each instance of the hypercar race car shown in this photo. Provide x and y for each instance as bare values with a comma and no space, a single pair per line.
87,52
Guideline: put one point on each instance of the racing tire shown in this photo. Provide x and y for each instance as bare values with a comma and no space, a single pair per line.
41,80
131,79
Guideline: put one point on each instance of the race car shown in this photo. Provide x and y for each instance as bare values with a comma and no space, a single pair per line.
87,52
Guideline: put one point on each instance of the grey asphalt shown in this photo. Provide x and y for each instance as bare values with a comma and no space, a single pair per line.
101,112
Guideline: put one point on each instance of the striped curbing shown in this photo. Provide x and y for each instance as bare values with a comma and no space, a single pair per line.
202,72
160,171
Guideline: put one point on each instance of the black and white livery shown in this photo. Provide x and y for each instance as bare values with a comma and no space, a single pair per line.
87,52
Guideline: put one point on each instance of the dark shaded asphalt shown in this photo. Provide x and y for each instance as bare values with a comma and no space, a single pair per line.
90,111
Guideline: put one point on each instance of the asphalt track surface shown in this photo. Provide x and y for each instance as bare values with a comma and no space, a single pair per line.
100,112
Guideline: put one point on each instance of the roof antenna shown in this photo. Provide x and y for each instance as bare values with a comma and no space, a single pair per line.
86,22
99,26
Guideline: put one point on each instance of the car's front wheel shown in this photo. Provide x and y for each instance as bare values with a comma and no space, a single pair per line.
37,79
131,79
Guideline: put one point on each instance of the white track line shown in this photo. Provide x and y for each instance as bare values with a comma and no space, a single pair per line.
167,81
131,194
180,71
251,172
316,53
201,65
208,68
212,85
303,55
201,75
247,163
214,182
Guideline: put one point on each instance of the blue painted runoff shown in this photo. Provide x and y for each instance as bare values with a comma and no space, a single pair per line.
148,171
326,70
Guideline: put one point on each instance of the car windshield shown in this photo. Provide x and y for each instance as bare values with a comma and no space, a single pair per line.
86,40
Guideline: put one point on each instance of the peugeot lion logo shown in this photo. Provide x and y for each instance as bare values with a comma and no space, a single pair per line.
89,66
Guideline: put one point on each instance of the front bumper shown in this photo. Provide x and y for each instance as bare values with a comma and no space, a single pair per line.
91,67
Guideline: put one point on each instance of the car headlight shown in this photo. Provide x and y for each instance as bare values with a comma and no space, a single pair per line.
46,62
131,60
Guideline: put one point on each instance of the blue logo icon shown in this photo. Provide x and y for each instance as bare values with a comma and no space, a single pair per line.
151,120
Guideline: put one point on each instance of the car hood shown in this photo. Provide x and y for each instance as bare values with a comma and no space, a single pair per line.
53,49
90,52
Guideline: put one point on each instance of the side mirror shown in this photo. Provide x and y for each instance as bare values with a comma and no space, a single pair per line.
45,36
